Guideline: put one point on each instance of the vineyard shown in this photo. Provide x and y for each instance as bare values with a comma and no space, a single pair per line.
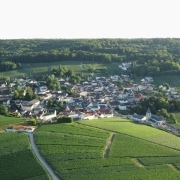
129,128
17,160
75,151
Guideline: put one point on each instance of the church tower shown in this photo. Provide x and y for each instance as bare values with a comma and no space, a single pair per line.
148,115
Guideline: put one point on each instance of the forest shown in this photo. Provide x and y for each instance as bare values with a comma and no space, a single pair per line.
157,56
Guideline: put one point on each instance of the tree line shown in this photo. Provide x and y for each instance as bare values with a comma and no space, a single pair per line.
9,65
157,56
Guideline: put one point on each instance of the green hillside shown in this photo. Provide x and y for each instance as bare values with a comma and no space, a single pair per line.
109,149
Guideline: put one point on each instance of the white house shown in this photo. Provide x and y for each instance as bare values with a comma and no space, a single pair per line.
86,116
43,88
122,107
29,106
48,117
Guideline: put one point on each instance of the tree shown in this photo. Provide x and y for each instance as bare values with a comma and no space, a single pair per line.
29,94
164,113
172,119
53,83
16,94
3,110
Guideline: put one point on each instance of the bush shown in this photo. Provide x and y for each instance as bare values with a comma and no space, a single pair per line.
65,120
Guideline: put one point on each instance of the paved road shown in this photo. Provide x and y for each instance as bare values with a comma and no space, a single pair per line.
41,159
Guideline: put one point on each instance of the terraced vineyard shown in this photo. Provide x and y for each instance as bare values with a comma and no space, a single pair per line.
17,161
76,151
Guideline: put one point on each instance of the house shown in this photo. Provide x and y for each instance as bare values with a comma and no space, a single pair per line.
114,104
124,106
114,78
101,113
6,102
138,97
45,96
6,97
37,110
74,115
147,79
93,107
86,116
138,118
49,117
43,88
11,85
29,106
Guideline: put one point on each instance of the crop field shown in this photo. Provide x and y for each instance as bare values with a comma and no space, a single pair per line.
17,160
6,121
76,151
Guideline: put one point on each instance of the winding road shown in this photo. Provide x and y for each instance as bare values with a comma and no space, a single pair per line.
41,159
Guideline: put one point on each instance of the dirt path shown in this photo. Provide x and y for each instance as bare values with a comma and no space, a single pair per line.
41,159
137,162
108,145
174,167
82,67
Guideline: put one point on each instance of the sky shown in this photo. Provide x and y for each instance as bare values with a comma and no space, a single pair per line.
67,19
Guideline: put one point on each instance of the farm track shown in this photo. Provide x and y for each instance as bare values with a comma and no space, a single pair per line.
82,67
40,158
174,167
129,136
138,162
108,145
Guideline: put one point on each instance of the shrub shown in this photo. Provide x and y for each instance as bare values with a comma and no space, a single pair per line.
64,120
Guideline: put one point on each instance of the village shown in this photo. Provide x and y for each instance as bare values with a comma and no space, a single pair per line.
100,97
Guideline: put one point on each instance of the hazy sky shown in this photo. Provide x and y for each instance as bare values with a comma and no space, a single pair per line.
89,18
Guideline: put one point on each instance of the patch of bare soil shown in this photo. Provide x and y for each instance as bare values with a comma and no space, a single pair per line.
108,145
137,162
174,167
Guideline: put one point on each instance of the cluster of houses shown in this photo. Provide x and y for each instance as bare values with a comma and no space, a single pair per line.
125,65
96,98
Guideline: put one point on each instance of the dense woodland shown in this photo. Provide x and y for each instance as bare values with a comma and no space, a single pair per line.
149,56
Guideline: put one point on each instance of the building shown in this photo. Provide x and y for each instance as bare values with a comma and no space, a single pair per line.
149,118
29,106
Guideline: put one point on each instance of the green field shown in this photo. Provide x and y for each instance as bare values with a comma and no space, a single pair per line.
172,80
17,161
141,131
177,114
6,121
42,68
77,151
